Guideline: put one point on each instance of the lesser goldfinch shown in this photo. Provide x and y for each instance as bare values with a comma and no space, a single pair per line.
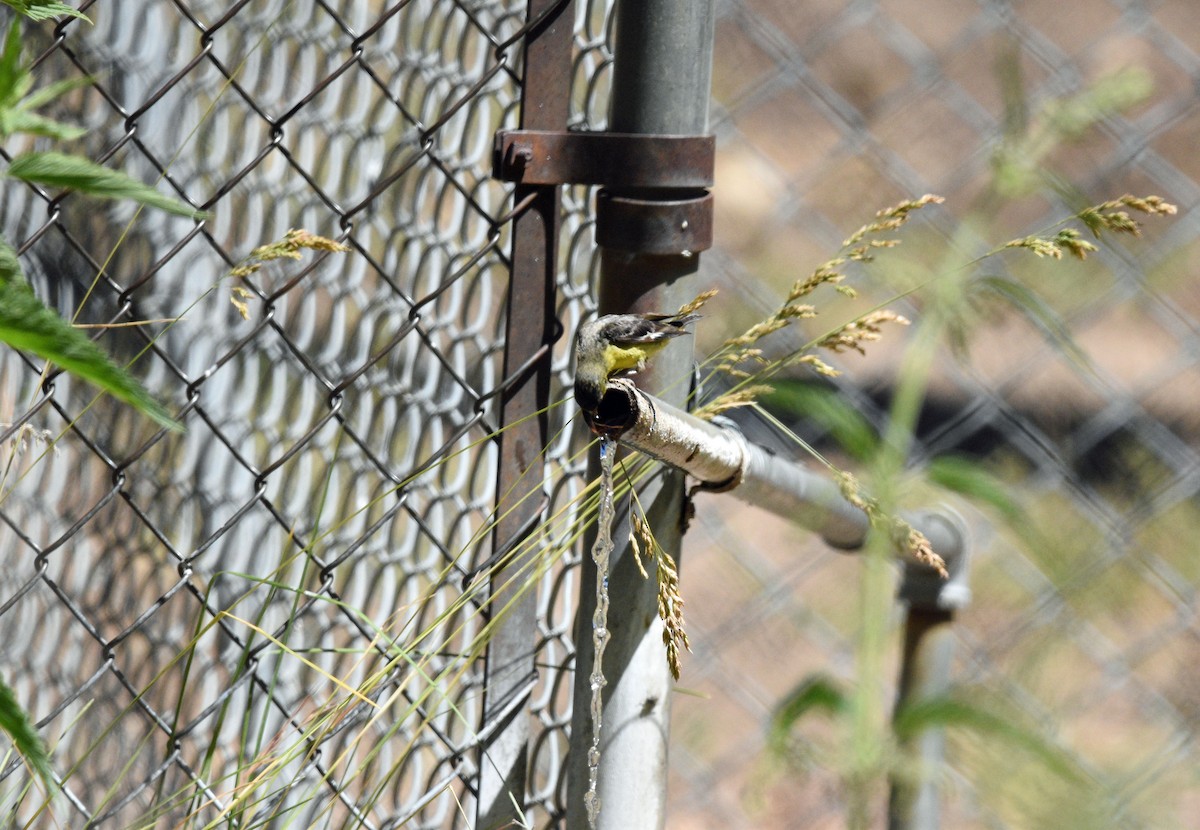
619,344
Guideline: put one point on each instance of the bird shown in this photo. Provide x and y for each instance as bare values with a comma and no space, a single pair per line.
616,345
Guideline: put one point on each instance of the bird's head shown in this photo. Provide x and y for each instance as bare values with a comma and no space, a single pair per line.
590,385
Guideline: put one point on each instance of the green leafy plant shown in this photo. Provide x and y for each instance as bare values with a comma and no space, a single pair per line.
44,9
78,174
1019,164
27,324
21,731
25,321
870,749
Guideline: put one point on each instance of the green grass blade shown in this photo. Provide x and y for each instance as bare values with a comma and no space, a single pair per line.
27,324
949,712
818,693
1040,313
52,91
76,173
19,728
44,9
22,121
10,65
966,477
829,410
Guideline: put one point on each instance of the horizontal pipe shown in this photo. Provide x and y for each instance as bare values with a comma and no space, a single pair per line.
721,459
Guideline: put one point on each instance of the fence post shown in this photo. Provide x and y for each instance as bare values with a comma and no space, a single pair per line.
661,79
928,650
509,670
929,639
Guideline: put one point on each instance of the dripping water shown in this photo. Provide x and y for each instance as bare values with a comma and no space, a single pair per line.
600,555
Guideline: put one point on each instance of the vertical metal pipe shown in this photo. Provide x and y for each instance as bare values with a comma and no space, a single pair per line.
928,650
661,78
915,802
530,328
662,67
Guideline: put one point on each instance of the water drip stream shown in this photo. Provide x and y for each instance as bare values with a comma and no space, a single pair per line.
601,551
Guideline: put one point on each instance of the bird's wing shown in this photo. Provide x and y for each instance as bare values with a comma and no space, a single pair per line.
631,330
650,328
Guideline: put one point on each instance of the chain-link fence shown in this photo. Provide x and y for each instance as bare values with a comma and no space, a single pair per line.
271,619
274,618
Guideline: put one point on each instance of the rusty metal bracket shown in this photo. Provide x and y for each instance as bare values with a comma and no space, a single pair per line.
620,160
655,201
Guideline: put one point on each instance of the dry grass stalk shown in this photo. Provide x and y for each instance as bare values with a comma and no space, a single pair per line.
293,242
865,329
1106,216
290,247
902,534
698,302
670,599
859,247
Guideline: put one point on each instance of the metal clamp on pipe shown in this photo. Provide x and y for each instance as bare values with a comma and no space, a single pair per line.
722,458
681,222
655,198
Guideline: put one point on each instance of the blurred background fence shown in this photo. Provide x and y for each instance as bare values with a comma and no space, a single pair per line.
180,612
1083,626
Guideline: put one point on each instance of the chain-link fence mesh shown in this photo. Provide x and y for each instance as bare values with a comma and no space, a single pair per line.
261,618
266,620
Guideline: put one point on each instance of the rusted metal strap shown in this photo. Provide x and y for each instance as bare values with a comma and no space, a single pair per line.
617,160
520,482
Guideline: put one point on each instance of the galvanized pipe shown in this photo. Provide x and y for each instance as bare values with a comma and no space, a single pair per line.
661,85
929,641
720,458
915,802
723,460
